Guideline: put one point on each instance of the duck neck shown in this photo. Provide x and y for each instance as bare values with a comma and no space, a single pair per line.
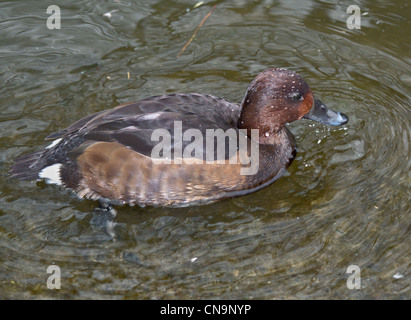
268,130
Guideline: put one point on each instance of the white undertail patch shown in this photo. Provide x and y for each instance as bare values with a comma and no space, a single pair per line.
51,174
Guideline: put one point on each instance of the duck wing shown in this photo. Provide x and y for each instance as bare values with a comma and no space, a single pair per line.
136,125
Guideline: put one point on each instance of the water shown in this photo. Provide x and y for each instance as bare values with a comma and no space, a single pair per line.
344,201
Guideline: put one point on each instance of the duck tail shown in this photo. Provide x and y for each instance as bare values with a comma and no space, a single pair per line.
28,167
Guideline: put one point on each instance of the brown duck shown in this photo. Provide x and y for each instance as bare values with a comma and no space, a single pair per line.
181,149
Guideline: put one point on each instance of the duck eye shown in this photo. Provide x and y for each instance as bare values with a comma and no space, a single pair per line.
295,96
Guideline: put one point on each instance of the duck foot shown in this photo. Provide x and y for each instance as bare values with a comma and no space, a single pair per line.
105,206
105,216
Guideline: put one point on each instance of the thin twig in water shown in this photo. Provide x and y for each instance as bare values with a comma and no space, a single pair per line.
195,31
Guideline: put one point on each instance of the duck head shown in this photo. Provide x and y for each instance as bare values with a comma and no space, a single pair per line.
279,96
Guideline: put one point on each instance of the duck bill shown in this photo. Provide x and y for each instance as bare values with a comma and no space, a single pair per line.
319,112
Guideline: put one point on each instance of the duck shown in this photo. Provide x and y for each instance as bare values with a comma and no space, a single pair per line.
181,149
